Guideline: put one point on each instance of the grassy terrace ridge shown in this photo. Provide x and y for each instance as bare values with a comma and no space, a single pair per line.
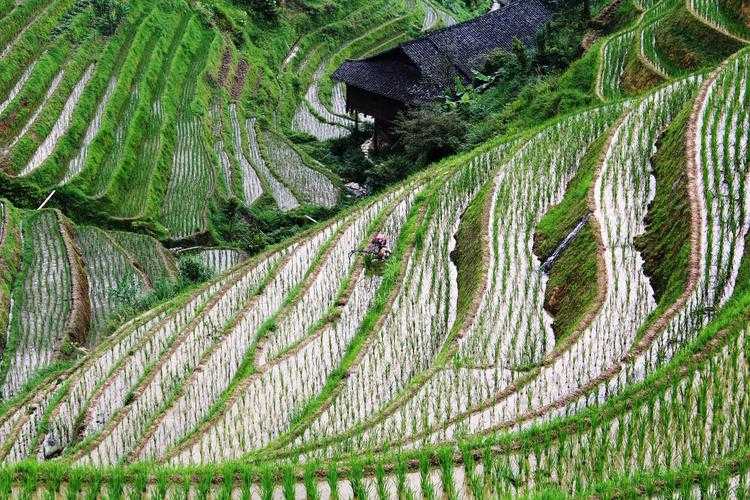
564,313
573,283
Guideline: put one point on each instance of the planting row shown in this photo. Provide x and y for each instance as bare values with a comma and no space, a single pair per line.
69,284
48,303
113,122
509,328
217,260
132,346
305,121
310,185
713,13
144,172
115,400
717,151
308,342
252,188
283,197
649,53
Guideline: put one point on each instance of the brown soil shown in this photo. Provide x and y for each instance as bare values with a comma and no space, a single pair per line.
226,62
79,320
238,81
638,77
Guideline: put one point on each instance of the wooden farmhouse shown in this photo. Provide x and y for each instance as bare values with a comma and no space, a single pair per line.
425,69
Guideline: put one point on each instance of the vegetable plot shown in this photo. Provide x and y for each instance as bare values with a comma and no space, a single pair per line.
318,108
717,149
185,210
219,149
25,17
434,17
128,96
178,353
649,53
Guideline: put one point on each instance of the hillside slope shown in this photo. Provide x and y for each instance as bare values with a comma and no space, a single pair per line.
309,371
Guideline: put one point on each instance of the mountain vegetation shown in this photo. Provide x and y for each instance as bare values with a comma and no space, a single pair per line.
564,312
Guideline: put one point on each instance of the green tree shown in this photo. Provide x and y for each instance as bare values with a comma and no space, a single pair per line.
108,14
265,9
429,132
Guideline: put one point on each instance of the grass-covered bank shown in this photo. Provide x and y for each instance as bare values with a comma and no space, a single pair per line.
573,284
665,246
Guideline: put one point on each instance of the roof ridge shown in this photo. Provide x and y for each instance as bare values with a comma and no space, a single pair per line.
428,34
422,70
448,57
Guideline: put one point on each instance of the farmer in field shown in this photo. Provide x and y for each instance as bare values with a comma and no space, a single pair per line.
377,249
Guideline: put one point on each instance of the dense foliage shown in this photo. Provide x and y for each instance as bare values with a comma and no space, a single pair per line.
520,79
562,308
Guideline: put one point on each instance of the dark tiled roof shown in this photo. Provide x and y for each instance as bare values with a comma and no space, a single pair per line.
420,70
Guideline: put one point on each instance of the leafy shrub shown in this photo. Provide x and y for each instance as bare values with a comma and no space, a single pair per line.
108,14
429,132
192,270
264,9
253,229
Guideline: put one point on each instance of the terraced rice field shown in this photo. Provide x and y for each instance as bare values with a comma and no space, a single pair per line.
310,185
252,187
307,370
283,197
718,17
117,121
36,332
217,260
110,269
614,53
